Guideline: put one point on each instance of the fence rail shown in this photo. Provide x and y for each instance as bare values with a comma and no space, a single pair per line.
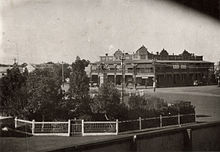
100,128
24,125
43,128
51,128
90,128
155,122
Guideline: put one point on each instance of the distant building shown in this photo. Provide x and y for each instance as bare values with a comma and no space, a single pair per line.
29,67
3,69
217,73
142,68
22,67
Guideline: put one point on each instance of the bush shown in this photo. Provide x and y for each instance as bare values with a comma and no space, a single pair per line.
148,106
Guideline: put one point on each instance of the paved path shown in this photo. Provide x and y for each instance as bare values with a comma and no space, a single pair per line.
39,143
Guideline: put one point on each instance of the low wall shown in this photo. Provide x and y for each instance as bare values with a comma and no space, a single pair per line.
196,137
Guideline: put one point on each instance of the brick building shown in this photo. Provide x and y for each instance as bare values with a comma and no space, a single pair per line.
142,68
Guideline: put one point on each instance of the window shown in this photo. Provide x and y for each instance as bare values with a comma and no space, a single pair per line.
102,58
110,58
142,57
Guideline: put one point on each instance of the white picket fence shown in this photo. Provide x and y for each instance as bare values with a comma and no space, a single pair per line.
156,122
95,128
43,128
83,128
91,128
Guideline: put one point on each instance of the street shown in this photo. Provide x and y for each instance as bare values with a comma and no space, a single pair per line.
206,99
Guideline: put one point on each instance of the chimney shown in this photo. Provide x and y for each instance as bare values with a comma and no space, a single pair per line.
157,53
106,54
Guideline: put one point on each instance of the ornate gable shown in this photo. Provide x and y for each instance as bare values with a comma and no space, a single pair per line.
142,51
164,53
118,54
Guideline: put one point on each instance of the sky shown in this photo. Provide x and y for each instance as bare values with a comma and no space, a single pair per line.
37,31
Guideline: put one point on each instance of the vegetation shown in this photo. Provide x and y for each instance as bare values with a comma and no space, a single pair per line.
38,95
13,92
145,106
107,103
44,94
77,103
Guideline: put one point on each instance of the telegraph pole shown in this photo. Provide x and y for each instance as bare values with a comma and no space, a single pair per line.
16,60
62,75
154,70
123,77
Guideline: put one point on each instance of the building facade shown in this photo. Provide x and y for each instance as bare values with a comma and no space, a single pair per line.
142,68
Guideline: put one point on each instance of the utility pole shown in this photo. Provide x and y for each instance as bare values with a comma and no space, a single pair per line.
123,77
16,60
62,75
134,75
154,70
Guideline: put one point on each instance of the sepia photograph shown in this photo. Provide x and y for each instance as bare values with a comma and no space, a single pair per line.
109,75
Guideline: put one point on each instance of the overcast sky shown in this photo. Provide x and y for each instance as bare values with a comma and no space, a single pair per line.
36,31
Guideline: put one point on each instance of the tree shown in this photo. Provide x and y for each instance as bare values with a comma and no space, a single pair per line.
107,103
145,106
13,94
79,100
44,94
79,81
66,70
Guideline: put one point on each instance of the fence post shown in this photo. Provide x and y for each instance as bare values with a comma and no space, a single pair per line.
33,126
179,123
116,127
140,123
69,127
82,127
161,123
16,122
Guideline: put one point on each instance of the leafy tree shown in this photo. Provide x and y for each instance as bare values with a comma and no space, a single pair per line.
44,94
13,95
79,81
107,102
145,106
79,100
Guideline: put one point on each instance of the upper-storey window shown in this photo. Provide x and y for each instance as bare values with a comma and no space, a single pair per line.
127,57
94,67
103,58
110,58
142,57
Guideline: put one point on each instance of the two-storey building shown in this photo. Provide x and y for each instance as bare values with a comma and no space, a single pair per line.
141,68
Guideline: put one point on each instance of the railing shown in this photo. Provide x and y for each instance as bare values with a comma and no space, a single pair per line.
24,125
155,122
91,128
76,127
51,128
43,128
